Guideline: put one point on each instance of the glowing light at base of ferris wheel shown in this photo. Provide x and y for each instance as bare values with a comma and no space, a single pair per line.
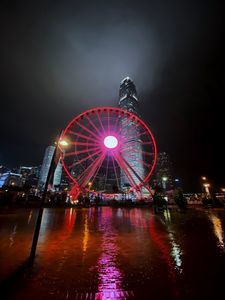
110,142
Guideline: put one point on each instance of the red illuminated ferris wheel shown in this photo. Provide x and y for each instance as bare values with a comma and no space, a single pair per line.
110,150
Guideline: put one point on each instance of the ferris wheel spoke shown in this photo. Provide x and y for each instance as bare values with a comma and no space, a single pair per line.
114,168
138,135
106,175
133,170
141,142
148,188
97,169
86,171
100,122
141,161
127,155
87,130
108,122
125,169
82,135
75,191
84,159
138,151
79,178
93,125
129,131
81,151
84,144
116,127
126,122
147,143
93,170
130,141
129,134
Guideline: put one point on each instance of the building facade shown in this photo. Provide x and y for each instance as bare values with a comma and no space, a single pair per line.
132,156
163,173
45,169
11,179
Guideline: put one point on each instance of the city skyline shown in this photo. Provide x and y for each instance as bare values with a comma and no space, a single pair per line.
57,60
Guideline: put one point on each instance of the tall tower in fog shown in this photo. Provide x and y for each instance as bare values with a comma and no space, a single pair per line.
128,96
128,100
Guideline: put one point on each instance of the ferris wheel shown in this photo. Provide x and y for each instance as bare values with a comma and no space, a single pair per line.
110,150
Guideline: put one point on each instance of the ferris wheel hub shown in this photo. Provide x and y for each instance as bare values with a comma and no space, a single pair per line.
110,142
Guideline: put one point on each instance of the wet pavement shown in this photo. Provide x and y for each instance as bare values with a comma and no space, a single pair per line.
114,253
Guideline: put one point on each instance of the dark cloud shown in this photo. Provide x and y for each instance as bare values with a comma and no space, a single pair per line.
59,58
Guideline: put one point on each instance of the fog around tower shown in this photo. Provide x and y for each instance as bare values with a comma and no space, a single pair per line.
59,58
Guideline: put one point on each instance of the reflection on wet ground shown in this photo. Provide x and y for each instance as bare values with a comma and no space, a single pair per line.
114,253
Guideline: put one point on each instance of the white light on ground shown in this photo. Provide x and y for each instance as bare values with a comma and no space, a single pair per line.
110,142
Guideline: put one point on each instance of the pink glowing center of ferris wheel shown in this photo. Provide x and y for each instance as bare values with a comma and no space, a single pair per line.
110,142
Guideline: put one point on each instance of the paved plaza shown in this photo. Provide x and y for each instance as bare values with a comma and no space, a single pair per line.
114,253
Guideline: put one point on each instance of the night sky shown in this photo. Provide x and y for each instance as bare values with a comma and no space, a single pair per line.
59,58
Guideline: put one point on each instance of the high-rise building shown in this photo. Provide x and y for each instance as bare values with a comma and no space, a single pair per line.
4,169
45,169
57,175
163,173
133,155
30,175
128,96
26,173
10,179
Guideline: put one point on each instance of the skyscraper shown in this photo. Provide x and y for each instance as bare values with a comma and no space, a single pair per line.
133,156
45,168
128,96
163,174
30,175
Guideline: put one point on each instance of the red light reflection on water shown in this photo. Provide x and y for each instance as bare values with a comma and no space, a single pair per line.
49,238
164,248
110,277
70,219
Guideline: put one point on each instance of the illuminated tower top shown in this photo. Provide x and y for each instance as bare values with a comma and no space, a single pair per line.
128,96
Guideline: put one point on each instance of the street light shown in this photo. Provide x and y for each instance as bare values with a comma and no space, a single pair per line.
202,183
89,187
164,180
206,186
63,143
54,161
